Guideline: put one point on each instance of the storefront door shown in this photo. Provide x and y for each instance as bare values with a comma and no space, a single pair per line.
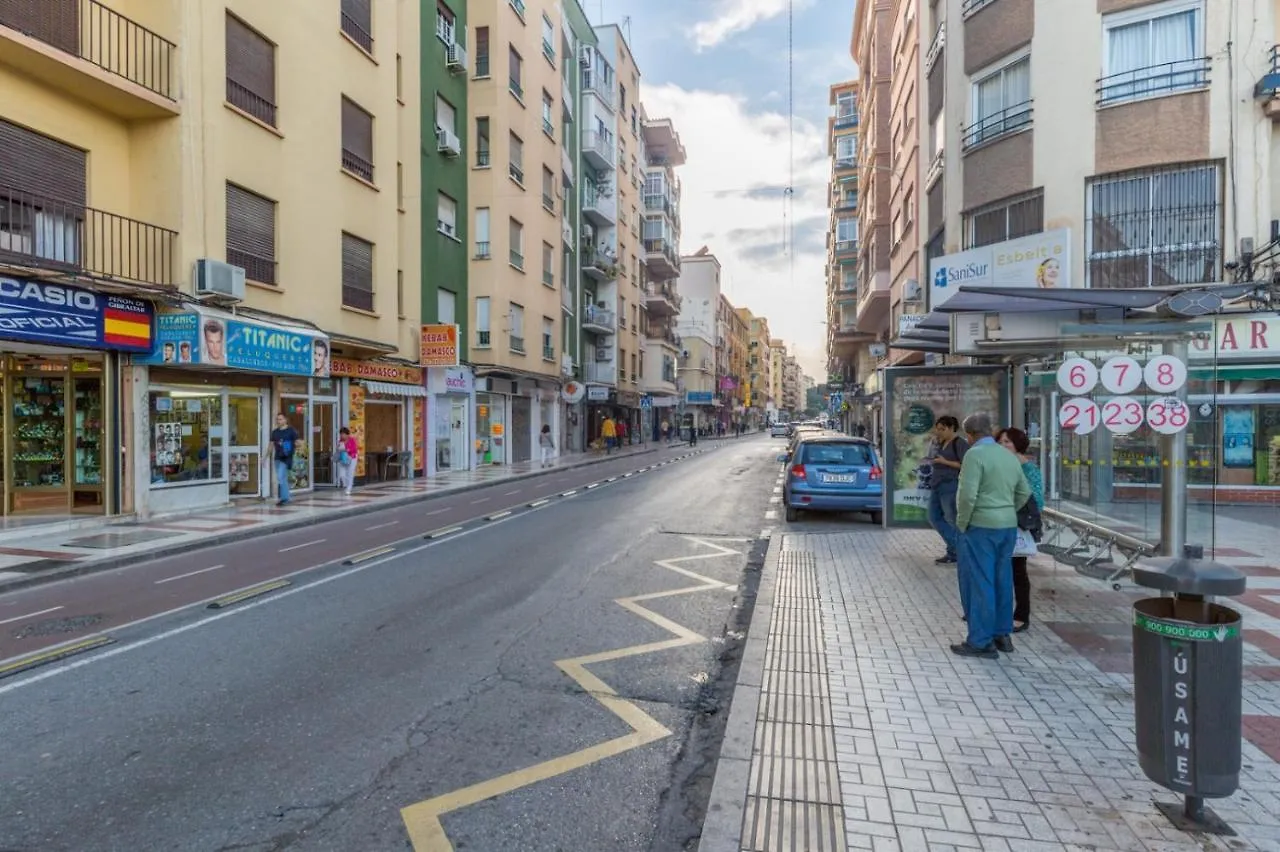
324,432
245,414
521,426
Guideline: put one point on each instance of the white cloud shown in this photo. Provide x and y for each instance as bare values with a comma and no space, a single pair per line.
734,16
733,201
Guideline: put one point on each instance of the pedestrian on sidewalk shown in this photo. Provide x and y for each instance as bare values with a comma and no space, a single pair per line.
546,445
622,433
944,479
348,450
1017,442
666,432
284,441
609,431
992,487
693,434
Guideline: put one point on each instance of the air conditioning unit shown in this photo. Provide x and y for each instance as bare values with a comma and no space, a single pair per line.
603,353
584,56
455,58
447,142
215,279
911,291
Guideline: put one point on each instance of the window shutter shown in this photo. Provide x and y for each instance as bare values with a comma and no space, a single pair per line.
251,60
55,22
357,263
37,164
251,233
357,131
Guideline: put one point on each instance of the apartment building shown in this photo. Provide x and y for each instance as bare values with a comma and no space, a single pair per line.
846,345
755,385
737,377
697,326
777,373
446,233
793,391
906,175
660,243
160,167
515,190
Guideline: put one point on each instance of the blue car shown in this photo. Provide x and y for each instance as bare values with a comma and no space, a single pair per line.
834,474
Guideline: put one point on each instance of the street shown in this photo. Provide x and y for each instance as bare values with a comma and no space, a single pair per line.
548,679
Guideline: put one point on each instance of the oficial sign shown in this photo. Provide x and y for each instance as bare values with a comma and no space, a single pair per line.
1040,260
439,347
382,371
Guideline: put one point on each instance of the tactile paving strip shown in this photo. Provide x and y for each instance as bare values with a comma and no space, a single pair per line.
793,793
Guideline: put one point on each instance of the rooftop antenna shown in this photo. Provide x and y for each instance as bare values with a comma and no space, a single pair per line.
626,27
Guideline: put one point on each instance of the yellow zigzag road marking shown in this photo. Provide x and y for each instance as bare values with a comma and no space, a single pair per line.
422,820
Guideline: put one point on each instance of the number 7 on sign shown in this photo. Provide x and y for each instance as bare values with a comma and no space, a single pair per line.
1121,375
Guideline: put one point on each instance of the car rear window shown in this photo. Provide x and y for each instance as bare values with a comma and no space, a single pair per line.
846,454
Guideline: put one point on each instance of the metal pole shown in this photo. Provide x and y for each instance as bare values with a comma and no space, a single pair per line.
1018,396
1173,481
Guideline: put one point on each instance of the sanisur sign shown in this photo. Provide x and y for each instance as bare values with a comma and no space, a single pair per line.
945,276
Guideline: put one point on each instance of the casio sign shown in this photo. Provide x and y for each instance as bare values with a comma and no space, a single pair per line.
47,294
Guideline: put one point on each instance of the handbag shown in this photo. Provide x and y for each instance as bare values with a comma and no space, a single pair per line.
1025,544
344,457
1030,520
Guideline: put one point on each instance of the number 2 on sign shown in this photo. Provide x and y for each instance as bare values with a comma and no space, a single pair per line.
1122,415
1079,416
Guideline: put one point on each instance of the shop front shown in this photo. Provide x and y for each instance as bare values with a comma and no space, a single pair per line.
493,406
63,396
629,413
211,387
451,436
385,412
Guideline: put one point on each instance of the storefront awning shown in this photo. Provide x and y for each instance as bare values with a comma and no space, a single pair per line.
392,389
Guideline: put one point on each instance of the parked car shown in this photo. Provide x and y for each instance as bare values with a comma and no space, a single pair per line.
778,430
834,473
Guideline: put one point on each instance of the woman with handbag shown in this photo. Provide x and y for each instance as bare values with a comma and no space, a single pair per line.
1016,441
348,448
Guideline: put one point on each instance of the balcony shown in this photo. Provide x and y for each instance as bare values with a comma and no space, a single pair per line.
600,85
599,263
566,235
662,203
566,166
935,47
566,298
935,170
1168,78
566,96
847,201
846,119
598,150
598,321
662,145
661,258
997,125
516,343
598,372
661,300
1267,91
548,353
41,233
846,248
598,205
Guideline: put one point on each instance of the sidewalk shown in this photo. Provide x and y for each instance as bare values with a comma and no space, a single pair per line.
853,726
38,554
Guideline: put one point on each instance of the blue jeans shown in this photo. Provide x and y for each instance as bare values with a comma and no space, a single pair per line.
942,513
986,582
282,479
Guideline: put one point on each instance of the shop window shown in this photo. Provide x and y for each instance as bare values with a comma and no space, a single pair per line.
186,436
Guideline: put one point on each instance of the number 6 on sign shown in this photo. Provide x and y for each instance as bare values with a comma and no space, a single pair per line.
1079,416
1077,376
1165,374
1168,415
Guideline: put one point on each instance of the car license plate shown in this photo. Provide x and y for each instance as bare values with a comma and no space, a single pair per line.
837,477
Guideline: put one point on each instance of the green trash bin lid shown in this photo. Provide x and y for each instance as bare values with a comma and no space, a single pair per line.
1184,576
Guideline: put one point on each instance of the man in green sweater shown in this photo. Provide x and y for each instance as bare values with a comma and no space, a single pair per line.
992,489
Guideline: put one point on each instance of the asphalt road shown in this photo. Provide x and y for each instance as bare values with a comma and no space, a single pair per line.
324,715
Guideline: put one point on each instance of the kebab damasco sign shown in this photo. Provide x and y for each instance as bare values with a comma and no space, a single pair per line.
439,346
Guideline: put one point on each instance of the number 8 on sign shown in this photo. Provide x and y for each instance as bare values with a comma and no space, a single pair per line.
1165,374
1079,416
1077,376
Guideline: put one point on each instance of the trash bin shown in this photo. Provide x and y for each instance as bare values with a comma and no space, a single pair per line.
1187,678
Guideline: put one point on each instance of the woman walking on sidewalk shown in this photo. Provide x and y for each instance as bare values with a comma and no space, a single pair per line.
546,445
348,449
1016,441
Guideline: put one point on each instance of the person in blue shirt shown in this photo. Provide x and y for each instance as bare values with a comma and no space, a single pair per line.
1018,442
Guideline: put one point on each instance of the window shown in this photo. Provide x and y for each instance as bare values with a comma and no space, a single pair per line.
548,190
482,233
251,234
548,339
846,233
446,24
848,277
446,306
634,371
1155,227
1006,219
357,140
845,153
482,322
622,99
482,142
400,78
548,265
622,312
400,293
549,40
400,187
447,216
185,443
515,234
357,23
482,52
446,116
936,246
515,73
251,71
515,314
357,273
516,160
1001,102
548,114
43,217
846,105
1154,50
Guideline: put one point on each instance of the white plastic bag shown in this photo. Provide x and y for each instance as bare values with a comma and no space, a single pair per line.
1025,545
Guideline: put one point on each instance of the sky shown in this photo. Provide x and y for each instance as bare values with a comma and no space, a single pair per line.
719,69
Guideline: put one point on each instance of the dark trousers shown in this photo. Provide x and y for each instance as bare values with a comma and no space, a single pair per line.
1021,590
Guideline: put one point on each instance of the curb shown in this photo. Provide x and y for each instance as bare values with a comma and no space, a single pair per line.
726,809
231,537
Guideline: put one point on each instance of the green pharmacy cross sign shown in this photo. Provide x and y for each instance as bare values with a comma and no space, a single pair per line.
1185,631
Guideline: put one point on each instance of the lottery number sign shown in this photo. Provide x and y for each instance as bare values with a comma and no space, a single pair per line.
1121,375
1122,415
1079,415
1165,374
1168,415
1077,376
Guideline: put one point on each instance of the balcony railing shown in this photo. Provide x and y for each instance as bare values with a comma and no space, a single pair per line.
1167,78
516,89
483,251
595,84
482,64
482,340
599,317
660,204
846,246
97,34
246,101
846,119
45,233
515,342
357,165
935,47
935,169
549,52
357,33
999,123
483,158
548,353
517,173
357,297
972,7
548,128
548,278
517,259
548,203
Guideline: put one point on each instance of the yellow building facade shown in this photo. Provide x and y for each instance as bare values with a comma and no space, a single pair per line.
158,149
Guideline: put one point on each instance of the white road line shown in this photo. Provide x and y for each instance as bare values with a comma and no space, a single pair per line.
31,614
612,479
496,515
481,500
300,546
593,485
771,515
437,511
568,493
509,493
627,475
775,499
536,503
381,526
777,489
189,574
765,533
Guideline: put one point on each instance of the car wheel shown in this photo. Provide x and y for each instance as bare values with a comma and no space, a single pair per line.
793,515
877,518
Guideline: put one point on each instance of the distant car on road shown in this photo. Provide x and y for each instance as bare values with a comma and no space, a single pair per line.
778,430
830,473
